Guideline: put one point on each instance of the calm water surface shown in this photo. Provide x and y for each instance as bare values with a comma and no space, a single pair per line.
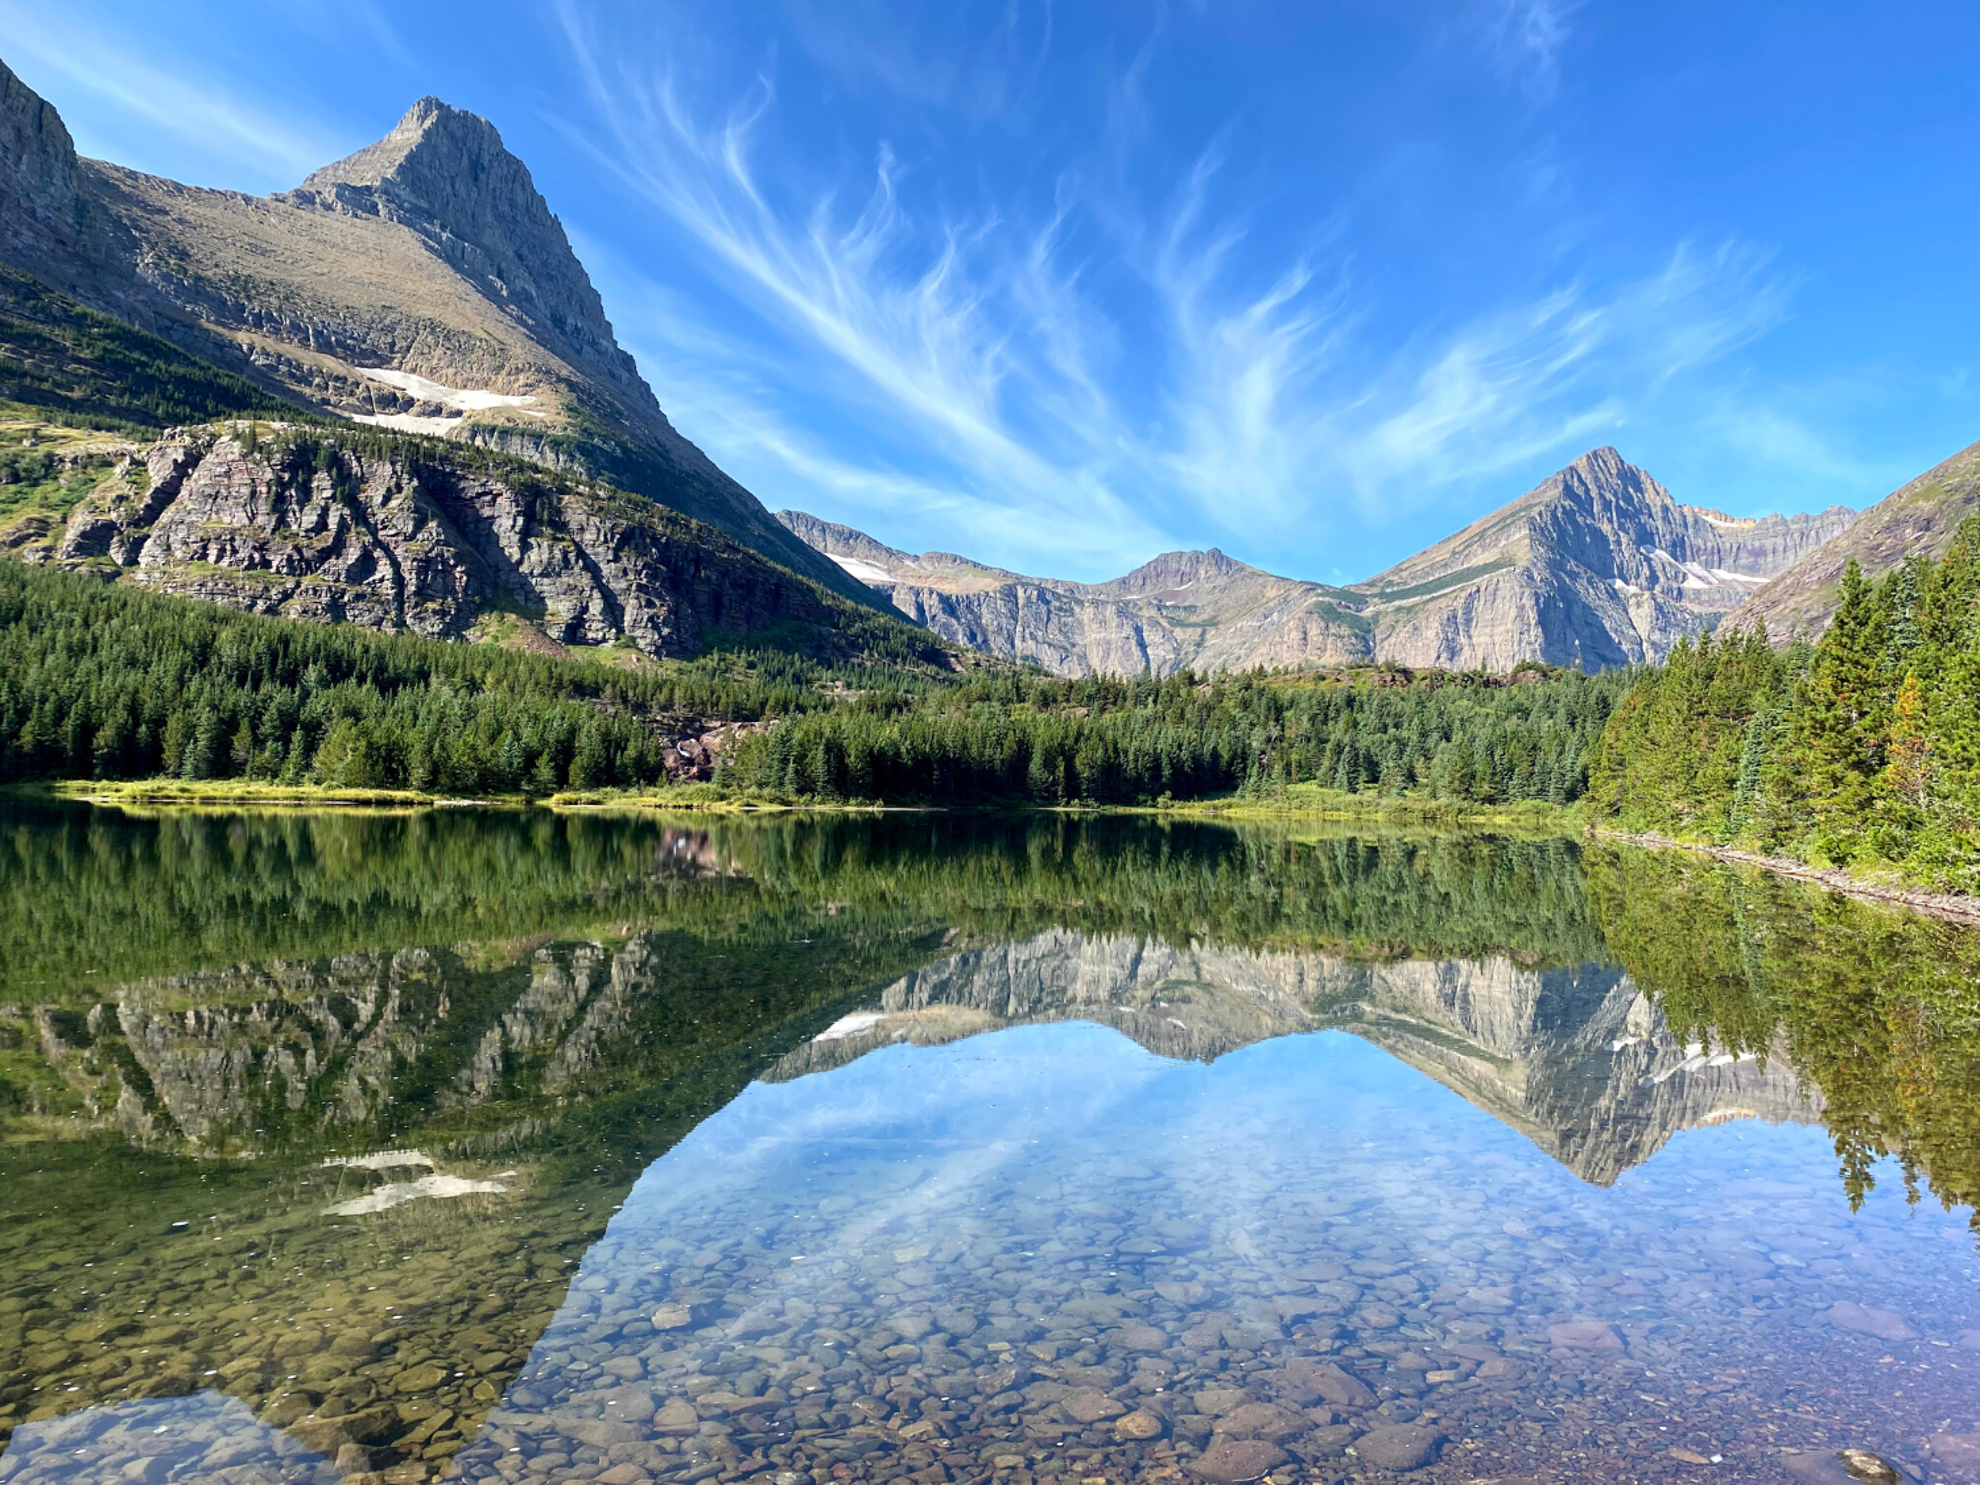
504,1146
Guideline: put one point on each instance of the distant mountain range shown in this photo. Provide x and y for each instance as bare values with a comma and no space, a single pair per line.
1917,520
1596,566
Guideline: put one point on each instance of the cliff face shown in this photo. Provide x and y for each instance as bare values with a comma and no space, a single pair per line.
421,284
38,174
1184,610
403,537
1596,566
1918,520
1578,1060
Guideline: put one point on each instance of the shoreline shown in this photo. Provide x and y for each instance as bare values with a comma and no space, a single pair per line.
1950,906
1386,814
1561,820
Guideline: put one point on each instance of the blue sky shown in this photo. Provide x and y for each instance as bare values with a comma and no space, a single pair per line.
1062,286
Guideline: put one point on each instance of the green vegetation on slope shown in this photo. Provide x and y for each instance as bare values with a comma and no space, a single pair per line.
1862,751
75,365
101,681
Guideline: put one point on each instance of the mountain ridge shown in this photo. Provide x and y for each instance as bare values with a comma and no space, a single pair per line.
1598,565
421,283
1918,519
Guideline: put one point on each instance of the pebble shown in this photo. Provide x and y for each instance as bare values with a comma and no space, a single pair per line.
1232,1461
1399,1446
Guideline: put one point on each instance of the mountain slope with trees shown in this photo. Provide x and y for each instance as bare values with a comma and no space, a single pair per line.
1862,750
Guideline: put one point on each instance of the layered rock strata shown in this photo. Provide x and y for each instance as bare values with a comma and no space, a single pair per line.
1596,566
404,538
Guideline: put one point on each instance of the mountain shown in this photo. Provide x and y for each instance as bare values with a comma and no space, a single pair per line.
1596,566
409,535
1183,610
1916,521
1577,1059
421,284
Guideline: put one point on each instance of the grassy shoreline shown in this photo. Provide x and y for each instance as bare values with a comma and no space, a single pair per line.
1890,887
1300,802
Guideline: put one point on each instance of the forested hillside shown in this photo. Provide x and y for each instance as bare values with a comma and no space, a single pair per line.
98,681
1028,739
1863,750
101,681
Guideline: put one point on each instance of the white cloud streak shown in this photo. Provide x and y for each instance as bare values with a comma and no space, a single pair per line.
1061,423
201,115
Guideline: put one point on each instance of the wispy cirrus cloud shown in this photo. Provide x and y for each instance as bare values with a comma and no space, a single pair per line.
1525,38
1082,377
212,120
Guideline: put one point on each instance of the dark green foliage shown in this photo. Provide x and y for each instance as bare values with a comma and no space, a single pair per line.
1683,739
1872,1008
100,681
78,366
1025,738
1863,750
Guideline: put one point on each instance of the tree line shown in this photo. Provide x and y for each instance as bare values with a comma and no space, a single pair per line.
1015,737
101,681
1862,750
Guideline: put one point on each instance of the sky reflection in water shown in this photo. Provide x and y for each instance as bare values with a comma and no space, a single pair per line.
965,1148
1185,1243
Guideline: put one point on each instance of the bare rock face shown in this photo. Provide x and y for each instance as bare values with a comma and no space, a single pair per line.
421,284
1184,610
443,173
1596,566
407,542
1918,520
38,205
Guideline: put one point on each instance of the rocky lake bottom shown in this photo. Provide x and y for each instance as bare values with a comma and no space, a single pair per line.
973,1201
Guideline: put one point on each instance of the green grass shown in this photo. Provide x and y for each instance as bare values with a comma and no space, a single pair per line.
1438,585
221,791
1312,801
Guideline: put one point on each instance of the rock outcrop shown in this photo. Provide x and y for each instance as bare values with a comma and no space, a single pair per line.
38,174
407,536
422,284
1596,566
1918,520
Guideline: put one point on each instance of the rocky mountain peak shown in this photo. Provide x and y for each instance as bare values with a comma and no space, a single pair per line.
1177,571
1603,478
444,173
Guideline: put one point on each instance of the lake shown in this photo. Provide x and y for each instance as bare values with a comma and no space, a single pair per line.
488,1145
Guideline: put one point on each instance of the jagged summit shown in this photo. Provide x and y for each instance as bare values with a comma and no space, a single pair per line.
1597,565
445,174
382,159
421,283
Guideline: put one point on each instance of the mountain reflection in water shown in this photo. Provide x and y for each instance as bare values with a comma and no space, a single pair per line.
469,1034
